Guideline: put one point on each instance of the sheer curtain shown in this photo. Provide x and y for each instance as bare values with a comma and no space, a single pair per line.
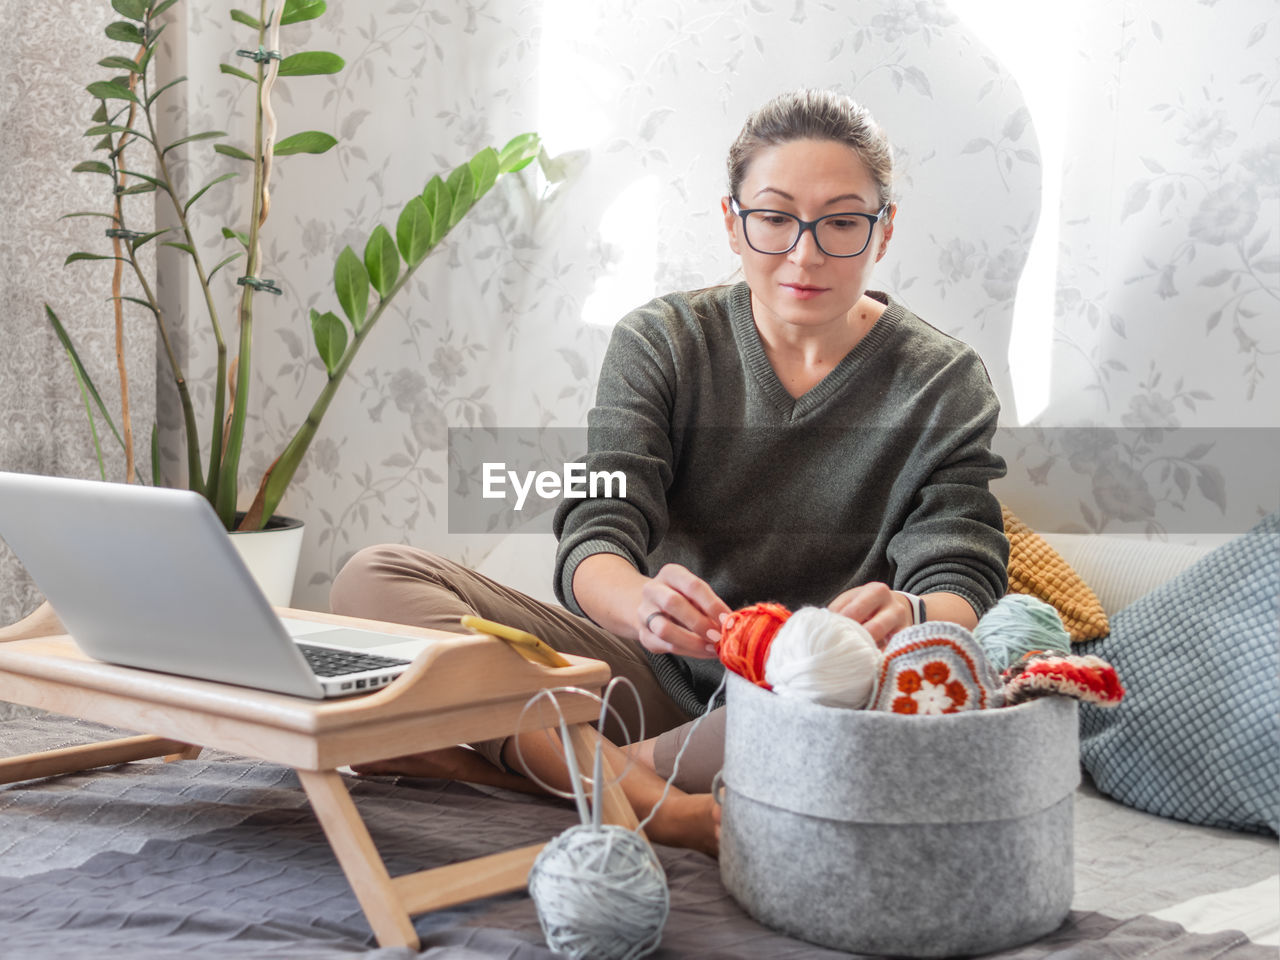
48,53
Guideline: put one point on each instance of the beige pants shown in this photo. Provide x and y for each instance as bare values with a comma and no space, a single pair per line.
405,585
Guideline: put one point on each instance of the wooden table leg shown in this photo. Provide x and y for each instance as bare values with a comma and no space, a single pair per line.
359,858
51,763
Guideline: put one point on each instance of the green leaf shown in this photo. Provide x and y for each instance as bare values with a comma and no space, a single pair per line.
229,151
296,11
351,281
235,235
141,303
436,197
161,8
208,135
89,213
484,170
311,141
90,256
311,63
93,424
413,232
106,90
172,83
237,72
81,373
124,32
153,37
222,263
100,115
147,238
518,153
133,9
119,63
381,260
151,52
104,144
462,193
184,247
92,166
155,182
239,16
203,190
140,188
331,338
155,446
110,128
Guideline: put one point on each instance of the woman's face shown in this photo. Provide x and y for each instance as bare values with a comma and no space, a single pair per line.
810,179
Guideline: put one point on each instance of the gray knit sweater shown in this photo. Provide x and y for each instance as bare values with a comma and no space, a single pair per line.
878,473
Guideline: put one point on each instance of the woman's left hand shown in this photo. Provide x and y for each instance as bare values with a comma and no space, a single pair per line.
877,608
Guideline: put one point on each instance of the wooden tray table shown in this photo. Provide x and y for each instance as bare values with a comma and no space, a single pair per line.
459,689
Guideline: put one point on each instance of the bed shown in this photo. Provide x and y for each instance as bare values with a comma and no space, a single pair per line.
220,856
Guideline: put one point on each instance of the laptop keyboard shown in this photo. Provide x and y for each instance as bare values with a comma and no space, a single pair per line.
328,662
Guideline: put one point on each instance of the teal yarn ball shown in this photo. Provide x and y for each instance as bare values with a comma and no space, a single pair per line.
601,893
1015,626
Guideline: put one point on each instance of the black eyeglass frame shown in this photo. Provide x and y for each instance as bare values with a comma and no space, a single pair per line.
810,225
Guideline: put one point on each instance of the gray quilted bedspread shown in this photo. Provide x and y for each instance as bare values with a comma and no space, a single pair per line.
220,857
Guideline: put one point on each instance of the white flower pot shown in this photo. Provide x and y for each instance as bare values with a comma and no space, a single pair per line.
272,556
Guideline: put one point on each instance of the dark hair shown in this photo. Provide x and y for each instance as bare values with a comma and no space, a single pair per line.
814,115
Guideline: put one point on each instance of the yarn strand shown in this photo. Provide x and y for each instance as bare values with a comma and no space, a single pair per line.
675,765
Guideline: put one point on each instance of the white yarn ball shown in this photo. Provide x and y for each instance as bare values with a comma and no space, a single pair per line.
824,657
601,893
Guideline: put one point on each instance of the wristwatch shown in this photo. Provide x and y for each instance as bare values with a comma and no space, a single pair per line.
918,613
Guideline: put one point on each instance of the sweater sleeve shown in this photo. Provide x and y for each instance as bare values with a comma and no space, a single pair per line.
628,432
953,539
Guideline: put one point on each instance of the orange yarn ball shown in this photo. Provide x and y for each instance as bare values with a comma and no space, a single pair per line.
745,637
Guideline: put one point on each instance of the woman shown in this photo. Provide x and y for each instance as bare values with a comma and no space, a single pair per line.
791,437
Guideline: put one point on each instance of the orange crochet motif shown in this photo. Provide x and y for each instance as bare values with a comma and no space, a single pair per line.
1037,569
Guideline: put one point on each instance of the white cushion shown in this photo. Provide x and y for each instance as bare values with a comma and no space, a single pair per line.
1121,569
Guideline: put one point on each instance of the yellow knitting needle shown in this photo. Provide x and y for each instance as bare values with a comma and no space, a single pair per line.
525,644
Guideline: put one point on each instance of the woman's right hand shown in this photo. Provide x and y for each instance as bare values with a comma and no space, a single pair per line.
679,613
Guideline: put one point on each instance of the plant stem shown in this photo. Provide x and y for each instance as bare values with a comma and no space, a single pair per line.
228,481
195,481
219,385
278,476
117,275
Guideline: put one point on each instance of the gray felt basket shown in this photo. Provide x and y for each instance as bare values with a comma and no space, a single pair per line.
922,836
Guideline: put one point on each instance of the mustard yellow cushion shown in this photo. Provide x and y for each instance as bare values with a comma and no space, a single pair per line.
1037,569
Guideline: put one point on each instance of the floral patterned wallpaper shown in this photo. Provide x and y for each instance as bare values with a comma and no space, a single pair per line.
1167,282
43,113
1167,330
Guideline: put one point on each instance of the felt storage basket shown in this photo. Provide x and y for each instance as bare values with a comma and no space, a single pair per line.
920,836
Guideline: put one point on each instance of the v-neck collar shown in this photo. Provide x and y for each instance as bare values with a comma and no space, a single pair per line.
752,347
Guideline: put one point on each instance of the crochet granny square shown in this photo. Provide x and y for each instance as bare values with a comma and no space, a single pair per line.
935,668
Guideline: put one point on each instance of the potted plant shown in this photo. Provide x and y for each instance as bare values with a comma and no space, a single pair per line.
365,282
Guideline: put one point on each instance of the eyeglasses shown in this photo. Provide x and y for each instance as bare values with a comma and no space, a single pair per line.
837,234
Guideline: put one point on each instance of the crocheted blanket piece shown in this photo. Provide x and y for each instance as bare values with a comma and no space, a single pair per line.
935,668
1037,569
1087,678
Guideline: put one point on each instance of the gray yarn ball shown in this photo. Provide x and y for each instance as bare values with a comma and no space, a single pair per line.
1018,624
600,893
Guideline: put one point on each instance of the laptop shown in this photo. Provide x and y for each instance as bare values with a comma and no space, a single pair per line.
147,577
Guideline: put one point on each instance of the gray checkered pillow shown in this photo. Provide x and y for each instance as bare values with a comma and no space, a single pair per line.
1197,737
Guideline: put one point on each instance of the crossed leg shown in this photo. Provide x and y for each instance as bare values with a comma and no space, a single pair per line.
406,585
